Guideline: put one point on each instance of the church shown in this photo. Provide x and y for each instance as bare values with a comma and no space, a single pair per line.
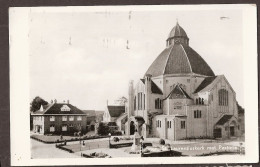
180,97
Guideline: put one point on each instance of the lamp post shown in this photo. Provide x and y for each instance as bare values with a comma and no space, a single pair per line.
141,143
109,135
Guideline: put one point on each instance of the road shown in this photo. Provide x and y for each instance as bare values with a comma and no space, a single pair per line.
41,150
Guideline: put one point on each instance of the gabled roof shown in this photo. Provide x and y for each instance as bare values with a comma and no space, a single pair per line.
116,111
206,82
55,108
122,116
224,119
178,93
154,87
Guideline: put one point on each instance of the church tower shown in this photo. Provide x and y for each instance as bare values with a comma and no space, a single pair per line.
177,35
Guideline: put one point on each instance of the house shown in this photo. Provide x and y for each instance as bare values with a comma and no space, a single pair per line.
117,114
91,119
180,97
59,118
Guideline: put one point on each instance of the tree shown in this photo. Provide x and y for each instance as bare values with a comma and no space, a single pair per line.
103,129
121,101
36,103
240,109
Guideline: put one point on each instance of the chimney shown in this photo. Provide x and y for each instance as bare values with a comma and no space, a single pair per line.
51,101
55,101
68,101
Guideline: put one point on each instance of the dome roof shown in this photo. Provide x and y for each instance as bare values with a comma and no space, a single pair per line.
179,59
177,31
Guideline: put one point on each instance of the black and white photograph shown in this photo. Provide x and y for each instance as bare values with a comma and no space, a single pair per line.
127,83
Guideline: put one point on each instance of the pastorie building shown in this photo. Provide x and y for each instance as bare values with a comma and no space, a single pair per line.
59,118
180,97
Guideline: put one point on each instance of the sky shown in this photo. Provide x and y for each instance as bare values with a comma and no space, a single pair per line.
90,57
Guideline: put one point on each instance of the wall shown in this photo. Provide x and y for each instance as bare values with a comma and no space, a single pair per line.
38,120
219,111
180,133
173,103
58,124
197,127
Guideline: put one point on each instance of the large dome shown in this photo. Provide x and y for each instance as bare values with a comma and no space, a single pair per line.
179,58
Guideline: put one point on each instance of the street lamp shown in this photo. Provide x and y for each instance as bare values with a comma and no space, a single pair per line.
109,135
141,143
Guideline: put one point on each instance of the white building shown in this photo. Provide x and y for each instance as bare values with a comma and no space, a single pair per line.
180,97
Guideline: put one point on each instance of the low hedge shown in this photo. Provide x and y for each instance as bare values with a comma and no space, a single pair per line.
69,140
60,146
119,145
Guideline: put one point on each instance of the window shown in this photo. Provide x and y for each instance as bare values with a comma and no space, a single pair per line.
79,118
169,124
140,101
159,123
200,101
197,114
64,118
158,103
71,118
223,97
135,103
65,108
144,101
52,128
64,128
182,124
52,118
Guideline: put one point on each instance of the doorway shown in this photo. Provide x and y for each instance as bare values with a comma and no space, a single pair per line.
232,131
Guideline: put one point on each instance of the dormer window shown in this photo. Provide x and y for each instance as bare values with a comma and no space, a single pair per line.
65,108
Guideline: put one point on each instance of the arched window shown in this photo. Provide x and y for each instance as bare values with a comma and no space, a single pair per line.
158,103
223,97
202,101
135,103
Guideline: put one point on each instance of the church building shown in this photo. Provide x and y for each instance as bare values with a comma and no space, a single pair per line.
180,97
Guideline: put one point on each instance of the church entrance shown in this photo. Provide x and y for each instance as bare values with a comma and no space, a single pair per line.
232,131
218,133
92,127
